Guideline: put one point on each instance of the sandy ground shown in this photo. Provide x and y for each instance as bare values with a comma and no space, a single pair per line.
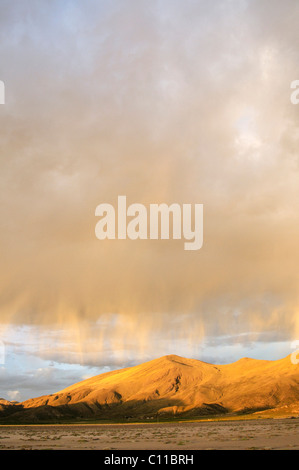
253,434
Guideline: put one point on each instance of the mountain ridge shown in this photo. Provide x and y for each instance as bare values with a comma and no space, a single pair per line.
168,386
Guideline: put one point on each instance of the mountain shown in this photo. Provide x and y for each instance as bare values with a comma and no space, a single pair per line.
168,386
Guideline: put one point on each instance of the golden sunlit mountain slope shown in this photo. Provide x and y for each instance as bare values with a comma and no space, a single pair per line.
169,386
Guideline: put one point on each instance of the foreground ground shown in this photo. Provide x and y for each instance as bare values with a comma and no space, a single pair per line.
252,434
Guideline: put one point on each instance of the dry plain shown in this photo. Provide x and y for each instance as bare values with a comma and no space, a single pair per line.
271,434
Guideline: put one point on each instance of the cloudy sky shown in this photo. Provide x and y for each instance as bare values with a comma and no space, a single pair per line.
168,101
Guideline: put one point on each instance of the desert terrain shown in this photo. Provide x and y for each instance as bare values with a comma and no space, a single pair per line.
265,434
164,404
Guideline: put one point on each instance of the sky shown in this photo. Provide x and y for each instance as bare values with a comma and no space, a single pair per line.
169,101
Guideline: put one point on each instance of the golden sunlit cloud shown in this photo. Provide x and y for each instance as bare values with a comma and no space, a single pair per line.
164,102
